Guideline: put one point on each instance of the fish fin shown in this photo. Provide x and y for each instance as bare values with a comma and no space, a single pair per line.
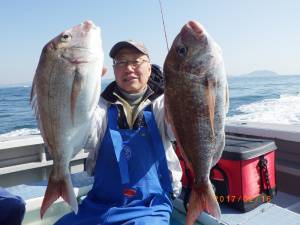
33,96
226,99
211,104
57,188
167,117
33,92
96,95
218,150
202,199
76,87
34,105
104,70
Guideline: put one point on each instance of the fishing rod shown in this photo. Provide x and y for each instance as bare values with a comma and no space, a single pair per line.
163,23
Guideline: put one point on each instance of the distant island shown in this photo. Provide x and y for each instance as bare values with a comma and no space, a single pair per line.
258,73
23,84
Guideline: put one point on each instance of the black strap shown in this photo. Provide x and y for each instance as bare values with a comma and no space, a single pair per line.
264,175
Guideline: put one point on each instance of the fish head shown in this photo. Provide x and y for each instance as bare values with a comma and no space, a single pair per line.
79,44
193,52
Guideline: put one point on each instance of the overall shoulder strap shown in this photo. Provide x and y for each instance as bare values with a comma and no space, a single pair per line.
117,142
158,148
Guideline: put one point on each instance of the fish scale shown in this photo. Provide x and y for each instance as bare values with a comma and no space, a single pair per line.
65,92
196,102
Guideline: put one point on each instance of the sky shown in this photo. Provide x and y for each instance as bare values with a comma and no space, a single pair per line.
253,34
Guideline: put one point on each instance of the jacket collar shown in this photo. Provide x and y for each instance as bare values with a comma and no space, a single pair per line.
108,93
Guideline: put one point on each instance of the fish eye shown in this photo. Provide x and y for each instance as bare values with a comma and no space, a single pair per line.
65,37
182,51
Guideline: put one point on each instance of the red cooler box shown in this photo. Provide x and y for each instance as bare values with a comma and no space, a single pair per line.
245,175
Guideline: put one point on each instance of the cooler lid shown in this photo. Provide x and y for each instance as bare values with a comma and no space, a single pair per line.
241,148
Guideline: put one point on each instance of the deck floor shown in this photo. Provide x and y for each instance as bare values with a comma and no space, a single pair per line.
284,209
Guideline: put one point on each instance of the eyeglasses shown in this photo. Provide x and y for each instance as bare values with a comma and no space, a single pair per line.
125,63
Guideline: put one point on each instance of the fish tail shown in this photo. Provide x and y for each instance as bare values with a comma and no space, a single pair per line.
202,199
57,188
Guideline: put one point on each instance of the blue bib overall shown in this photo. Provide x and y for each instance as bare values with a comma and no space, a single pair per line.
132,182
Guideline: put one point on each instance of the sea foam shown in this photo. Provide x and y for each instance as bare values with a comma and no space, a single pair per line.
282,110
19,132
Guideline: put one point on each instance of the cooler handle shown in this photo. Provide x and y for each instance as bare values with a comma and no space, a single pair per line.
218,168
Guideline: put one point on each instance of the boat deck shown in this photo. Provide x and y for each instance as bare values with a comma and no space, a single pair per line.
284,209
24,168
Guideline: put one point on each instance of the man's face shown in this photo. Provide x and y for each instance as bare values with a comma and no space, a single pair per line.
132,70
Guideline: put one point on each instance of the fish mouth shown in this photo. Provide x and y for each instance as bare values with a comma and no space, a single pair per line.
88,24
196,28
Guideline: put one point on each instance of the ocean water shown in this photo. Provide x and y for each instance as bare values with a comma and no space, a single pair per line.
273,99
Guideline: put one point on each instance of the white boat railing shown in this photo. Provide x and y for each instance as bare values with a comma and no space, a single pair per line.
24,160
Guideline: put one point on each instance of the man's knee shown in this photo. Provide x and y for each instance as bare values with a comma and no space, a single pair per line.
12,208
17,206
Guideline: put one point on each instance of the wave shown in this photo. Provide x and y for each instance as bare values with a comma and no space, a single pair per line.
19,132
282,110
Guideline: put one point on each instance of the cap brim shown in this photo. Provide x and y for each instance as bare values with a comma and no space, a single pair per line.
125,44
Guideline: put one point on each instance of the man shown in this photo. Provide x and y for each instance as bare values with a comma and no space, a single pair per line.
12,208
136,170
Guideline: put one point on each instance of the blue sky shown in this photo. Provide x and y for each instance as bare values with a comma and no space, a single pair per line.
254,34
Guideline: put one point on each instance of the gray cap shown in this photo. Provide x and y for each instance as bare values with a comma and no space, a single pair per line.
130,43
